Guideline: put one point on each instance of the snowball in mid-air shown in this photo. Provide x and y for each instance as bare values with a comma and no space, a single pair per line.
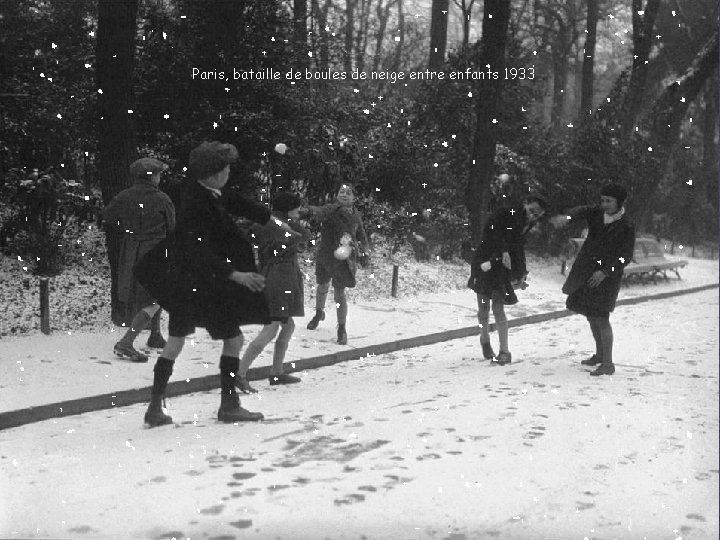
280,148
504,177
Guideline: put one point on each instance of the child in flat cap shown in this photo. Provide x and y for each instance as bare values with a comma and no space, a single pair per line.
216,284
594,280
141,216
343,243
284,292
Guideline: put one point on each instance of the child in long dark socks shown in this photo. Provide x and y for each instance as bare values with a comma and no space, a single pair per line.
214,283
283,290
594,280
343,243
143,216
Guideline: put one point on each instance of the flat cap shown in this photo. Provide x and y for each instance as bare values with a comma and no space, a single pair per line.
146,167
210,158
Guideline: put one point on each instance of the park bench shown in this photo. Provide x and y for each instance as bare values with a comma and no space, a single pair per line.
648,262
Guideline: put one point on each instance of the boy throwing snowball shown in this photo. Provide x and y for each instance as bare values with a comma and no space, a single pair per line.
343,243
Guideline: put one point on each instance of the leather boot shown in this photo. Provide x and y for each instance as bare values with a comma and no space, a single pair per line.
155,415
230,410
319,316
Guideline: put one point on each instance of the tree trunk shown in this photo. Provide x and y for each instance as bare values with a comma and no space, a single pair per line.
667,114
586,91
323,54
349,35
116,138
383,16
300,33
642,44
466,13
560,76
438,33
397,60
487,95
710,158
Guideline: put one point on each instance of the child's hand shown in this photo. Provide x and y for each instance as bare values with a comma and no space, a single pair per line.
251,280
486,266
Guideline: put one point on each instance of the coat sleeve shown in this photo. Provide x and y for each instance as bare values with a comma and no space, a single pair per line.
169,213
623,253
579,212
111,214
361,236
495,235
195,241
320,213
241,206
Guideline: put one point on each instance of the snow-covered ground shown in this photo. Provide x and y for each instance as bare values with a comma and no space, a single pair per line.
70,365
425,443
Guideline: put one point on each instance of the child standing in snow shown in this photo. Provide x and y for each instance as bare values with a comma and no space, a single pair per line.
343,243
499,266
283,289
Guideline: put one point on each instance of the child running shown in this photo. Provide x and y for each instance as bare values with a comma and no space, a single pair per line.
283,290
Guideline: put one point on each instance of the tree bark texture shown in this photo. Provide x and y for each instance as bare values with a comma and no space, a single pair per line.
487,95
643,24
588,66
666,116
115,55
438,33
300,12
349,34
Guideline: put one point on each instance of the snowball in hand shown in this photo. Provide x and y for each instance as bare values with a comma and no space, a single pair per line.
342,253
486,266
280,148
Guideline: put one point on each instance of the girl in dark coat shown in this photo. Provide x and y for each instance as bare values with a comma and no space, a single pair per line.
594,280
212,281
343,243
283,289
499,266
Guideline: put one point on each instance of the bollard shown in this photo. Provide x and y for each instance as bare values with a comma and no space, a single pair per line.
393,290
44,306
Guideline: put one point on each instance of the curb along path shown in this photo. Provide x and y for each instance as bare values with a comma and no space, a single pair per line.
211,382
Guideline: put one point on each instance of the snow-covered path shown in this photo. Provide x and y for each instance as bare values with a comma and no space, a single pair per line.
425,443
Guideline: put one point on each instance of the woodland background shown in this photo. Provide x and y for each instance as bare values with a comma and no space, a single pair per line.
623,90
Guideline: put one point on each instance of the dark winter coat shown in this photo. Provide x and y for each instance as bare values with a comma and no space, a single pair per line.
608,248
278,254
335,222
142,216
504,232
192,280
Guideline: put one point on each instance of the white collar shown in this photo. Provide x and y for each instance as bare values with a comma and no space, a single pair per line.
607,218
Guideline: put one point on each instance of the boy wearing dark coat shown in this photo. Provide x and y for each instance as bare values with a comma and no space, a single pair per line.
499,266
216,284
594,280
284,289
343,243
142,216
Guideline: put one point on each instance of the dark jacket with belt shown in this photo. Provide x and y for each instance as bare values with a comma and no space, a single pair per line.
141,216
190,274
608,248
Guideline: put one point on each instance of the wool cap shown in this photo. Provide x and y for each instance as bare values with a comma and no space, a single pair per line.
144,168
618,192
286,201
210,158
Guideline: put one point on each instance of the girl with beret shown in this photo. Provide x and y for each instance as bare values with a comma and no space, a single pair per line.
594,280
283,289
